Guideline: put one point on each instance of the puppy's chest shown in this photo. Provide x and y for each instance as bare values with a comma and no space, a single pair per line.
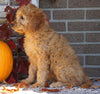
35,45
29,46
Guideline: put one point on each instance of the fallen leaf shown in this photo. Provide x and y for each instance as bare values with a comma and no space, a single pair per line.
69,87
21,85
97,80
46,84
12,44
50,90
9,90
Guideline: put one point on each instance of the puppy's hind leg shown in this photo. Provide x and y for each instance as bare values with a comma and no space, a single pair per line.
31,76
66,77
58,84
61,79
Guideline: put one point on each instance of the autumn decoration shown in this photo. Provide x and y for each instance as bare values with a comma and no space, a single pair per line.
20,63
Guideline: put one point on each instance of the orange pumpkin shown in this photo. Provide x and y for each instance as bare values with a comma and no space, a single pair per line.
6,61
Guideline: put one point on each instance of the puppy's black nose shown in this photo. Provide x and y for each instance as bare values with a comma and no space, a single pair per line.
12,25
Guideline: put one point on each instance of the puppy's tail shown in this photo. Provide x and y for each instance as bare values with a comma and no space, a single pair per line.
87,83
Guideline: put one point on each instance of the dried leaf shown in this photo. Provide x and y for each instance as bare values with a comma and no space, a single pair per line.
10,13
69,87
11,79
23,2
97,80
21,85
5,32
50,90
9,90
11,44
20,41
46,84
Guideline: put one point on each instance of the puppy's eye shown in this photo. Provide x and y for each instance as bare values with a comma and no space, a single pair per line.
22,17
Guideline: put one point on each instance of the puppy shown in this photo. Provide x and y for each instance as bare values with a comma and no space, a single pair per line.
50,55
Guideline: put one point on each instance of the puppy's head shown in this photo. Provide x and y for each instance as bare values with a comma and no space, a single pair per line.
29,18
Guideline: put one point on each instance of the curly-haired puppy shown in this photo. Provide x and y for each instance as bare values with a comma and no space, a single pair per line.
50,55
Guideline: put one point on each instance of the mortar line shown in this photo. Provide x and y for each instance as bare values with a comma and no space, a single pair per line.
77,20
84,42
95,8
66,26
85,14
84,64
51,12
94,77
84,37
91,66
92,54
67,3
78,32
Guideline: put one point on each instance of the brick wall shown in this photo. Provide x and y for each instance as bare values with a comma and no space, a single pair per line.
79,22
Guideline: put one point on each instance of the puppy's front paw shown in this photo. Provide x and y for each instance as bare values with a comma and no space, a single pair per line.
38,85
27,81
57,84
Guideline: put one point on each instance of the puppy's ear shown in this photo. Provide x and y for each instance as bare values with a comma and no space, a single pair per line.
37,21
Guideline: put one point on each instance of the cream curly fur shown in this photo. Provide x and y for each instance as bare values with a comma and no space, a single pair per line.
50,55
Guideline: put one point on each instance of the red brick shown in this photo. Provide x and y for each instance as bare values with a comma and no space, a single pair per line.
93,14
68,14
93,37
58,26
92,72
92,60
84,26
74,37
48,4
84,3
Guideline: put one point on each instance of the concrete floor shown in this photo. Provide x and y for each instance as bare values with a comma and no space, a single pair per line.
74,90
